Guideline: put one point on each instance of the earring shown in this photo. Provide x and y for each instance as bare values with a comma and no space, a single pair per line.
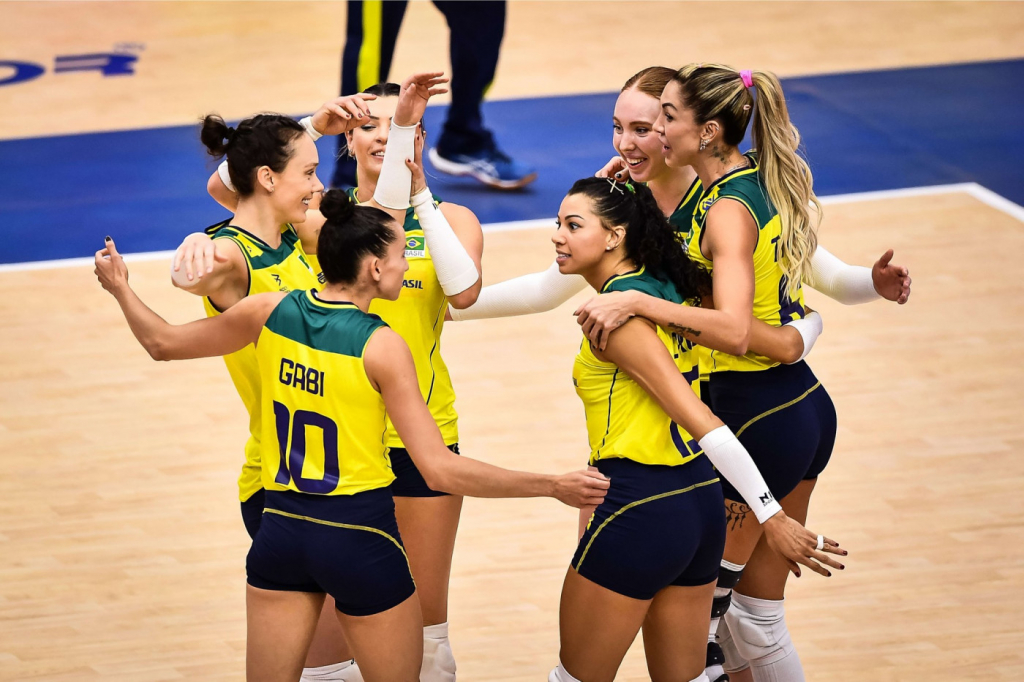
703,144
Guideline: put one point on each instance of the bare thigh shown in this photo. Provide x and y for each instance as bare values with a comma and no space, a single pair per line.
388,645
766,573
428,526
280,627
676,632
328,646
742,532
596,628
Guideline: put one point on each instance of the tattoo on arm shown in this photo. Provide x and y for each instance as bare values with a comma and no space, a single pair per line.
735,514
683,329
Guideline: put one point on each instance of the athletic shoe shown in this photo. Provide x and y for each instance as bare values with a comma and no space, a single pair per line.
490,167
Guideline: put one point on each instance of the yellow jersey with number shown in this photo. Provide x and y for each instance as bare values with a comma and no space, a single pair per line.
282,269
623,420
418,317
773,301
324,422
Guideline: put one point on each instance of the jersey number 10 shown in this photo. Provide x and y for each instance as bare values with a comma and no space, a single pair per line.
292,458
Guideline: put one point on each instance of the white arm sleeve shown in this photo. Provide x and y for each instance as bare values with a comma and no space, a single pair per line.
810,329
848,284
455,268
395,179
732,460
536,293
225,175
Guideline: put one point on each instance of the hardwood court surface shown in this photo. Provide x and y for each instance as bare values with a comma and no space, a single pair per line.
123,550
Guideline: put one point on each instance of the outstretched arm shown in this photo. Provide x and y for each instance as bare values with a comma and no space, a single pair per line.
854,284
221,335
534,293
638,351
389,365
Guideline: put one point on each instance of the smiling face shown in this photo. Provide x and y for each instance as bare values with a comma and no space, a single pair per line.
677,129
296,185
634,137
393,266
581,241
368,141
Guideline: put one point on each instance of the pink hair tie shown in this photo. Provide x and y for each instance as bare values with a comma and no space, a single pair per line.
748,82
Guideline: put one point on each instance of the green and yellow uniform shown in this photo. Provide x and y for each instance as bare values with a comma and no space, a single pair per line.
623,421
682,218
327,436
418,317
269,269
773,301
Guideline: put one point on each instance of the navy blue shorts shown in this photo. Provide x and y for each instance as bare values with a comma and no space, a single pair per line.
252,512
658,526
785,419
345,545
408,479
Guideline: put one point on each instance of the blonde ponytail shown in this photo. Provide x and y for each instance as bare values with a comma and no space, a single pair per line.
787,178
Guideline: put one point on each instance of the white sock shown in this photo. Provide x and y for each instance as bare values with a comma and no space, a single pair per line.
559,674
703,677
346,671
438,660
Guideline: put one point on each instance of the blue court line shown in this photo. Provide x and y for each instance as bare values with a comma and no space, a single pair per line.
863,131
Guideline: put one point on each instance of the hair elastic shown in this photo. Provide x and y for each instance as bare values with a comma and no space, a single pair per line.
748,82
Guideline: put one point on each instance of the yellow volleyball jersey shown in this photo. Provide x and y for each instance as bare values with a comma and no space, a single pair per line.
773,302
323,431
282,269
418,317
623,420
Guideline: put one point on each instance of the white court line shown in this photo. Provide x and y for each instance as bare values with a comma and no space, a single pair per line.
982,194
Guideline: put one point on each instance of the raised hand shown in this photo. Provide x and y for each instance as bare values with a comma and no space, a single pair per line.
581,488
797,545
415,166
892,282
110,270
342,114
416,91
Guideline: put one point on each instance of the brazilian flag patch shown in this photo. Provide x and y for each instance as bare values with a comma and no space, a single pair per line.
414,247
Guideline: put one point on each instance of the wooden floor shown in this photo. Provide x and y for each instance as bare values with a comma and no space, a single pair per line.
121,548
123,551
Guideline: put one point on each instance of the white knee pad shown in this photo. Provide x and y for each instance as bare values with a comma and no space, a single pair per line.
346,671
559,674
758,628
438,660
734,662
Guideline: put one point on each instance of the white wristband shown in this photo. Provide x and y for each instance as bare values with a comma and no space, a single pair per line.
225,175
307,123
848,284
732,459
810,329
455,269
395,179
534,293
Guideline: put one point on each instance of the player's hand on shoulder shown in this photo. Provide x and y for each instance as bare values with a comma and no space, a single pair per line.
581,488
417,89
798,545
111,270
605,313
892,282
194,258
342,114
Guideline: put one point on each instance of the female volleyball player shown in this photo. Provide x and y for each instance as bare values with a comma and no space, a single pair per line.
329,370
444,247
755,229
651,551
266,246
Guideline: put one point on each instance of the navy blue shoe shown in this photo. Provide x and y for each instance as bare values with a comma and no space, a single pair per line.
490,167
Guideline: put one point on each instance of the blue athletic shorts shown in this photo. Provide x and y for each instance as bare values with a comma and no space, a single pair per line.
252,512
408,479
658,526
345,545
785,419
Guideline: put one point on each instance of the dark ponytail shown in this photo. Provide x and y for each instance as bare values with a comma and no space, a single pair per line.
350,234
650,240
263,140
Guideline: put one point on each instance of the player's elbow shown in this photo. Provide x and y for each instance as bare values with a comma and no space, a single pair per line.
792,351
157,350
736,339
465,299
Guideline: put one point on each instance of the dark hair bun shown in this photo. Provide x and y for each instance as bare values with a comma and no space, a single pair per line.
216,135
337,206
